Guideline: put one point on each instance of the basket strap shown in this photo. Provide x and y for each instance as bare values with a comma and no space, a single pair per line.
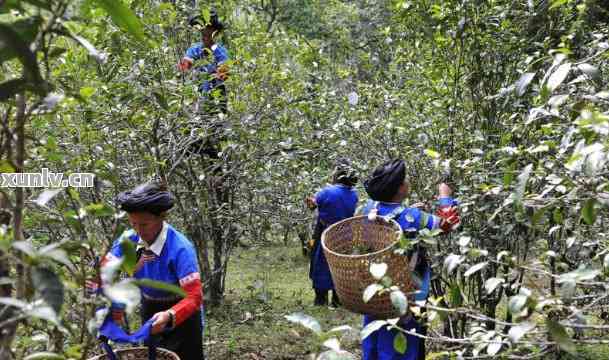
108,349
152,344
152,352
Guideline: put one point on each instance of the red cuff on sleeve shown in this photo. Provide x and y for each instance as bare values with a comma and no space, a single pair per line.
450,218
192,302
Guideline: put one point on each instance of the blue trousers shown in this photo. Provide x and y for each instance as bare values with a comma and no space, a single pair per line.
319,272
379,344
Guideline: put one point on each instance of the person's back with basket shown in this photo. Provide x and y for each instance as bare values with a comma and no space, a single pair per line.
354,244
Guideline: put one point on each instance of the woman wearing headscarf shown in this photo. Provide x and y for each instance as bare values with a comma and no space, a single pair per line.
335,202
216,57
166,255
388,187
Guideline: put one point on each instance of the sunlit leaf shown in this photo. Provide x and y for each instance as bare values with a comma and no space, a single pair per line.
520,330
332,344
473,269
517,303
581,274
558,76
378,270
491,284
370,291
399,301
305,320
8,301
44,356
494,347
590,70
372,327
86,92
101,57
523,82
452,261
26,247
124,292
432,153
464,240
340,328
44,312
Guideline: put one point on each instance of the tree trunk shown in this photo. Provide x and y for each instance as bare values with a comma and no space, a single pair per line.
7,334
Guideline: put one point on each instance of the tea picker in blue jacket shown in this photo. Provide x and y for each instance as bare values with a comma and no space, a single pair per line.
388,187
335,202
215,69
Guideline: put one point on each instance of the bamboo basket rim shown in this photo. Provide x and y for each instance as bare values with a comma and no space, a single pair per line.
392,222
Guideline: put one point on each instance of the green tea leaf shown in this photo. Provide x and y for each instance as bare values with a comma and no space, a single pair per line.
588,212
399,343
159,285
129,256
123,17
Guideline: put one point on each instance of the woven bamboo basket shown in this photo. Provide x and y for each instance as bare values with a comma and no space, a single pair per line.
139,353
351,273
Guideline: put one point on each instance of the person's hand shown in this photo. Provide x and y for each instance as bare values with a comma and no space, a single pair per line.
444,190
222,72
184,64
310,202
160,321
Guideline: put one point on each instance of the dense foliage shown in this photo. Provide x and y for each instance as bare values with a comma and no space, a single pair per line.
505,100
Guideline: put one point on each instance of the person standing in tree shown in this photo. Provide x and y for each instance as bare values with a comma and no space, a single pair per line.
165,255
213,98
388,187
334,203
216,68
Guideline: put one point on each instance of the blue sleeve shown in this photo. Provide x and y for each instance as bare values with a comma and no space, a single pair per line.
447,201
220,55
321,197
195,52
186,263
425,284
414,219
116,249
